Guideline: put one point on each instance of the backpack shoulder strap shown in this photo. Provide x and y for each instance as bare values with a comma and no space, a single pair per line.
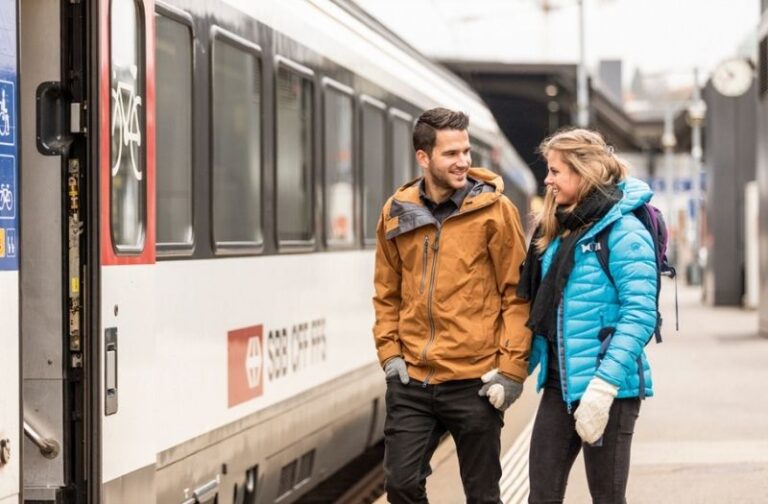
603,252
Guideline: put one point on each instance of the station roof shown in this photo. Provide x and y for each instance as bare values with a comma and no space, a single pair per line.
531,101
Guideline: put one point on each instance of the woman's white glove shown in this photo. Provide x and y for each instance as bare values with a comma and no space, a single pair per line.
592,414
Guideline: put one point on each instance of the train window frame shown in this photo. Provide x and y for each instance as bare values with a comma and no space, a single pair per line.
224,247
396,114
280,62
329,85
481,150
139,249
171,249
369,101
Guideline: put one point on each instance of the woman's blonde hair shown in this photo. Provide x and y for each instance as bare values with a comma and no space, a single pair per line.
587,154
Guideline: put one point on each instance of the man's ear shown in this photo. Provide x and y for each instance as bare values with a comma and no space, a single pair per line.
422,158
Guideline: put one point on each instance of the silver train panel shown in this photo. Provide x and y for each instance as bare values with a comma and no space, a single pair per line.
41,259
333,423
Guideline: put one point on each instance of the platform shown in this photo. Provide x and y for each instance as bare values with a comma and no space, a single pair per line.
702,439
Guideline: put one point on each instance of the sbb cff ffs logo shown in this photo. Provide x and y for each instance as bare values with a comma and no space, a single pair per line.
254,359
246,363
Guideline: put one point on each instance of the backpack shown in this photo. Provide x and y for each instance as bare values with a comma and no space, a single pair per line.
653,221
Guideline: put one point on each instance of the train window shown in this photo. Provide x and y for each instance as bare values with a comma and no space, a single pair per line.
481,156
306,466
173,67
402,148
374,175
339,173
294,153
287,477
127,156
236,110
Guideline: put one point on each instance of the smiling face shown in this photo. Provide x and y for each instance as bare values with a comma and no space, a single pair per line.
445,169
562,181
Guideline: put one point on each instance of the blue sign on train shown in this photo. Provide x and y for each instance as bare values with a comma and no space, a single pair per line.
7,187
9,141
7,113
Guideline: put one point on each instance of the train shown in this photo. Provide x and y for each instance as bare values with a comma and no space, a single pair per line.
189,191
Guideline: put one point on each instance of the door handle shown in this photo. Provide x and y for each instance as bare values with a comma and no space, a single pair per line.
110,371
204,493
49,447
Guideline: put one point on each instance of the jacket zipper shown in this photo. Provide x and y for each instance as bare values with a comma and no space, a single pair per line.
435,247
561,355
432,330
424,264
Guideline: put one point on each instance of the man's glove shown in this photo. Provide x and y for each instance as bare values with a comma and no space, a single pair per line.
592,414
396,367
501,391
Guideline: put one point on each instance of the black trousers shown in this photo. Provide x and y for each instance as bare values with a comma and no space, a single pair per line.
555,445
418,416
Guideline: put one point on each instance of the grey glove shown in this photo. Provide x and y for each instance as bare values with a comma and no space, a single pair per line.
501,391
396,367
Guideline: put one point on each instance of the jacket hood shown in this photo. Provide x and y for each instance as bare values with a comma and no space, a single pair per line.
636,193
405,192
488,177
405,211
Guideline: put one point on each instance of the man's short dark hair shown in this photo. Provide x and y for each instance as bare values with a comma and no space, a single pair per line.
425,131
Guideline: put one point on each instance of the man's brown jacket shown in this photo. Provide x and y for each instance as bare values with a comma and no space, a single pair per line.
445,295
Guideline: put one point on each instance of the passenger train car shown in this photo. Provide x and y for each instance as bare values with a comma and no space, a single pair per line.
188,197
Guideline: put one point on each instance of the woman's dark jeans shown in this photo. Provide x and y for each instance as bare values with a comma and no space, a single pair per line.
418,416
555,445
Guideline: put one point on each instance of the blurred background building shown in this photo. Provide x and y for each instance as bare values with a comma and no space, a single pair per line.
673,91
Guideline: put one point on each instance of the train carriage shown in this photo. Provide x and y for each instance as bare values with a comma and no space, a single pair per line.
187,312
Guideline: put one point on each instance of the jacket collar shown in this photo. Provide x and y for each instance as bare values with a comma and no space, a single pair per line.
408,212
457,197
635,194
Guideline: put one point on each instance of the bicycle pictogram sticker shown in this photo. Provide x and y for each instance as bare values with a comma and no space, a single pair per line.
7,111
5,115
6,197
126,127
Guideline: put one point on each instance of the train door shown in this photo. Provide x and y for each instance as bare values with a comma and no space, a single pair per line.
88,227
10,425
52,351
61,439
125,304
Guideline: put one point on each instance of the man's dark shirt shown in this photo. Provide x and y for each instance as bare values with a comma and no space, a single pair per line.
443,210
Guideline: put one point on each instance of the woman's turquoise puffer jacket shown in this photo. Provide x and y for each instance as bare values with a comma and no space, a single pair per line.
591,302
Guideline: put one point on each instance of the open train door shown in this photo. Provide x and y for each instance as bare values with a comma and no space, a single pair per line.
123,180
87,226
56,345
10,358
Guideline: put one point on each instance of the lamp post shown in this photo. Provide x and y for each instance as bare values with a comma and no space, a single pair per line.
669,142
582,86
697,111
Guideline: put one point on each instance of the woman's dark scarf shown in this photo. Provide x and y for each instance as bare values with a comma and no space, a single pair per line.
545,293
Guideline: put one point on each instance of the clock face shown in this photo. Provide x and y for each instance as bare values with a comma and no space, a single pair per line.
732,77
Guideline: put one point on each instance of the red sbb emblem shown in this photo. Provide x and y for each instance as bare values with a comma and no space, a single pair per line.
246,364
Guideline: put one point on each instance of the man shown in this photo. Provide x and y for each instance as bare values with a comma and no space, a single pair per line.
449,248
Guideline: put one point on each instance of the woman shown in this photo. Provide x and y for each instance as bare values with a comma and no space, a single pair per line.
589,331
